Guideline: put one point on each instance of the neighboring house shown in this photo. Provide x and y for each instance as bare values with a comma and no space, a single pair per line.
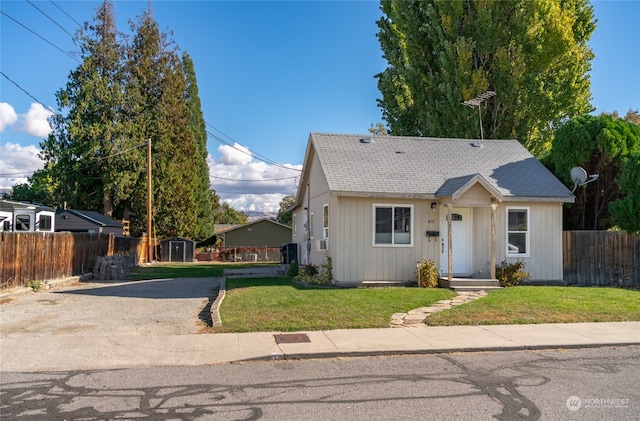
23,217
260,233
87,221
379,205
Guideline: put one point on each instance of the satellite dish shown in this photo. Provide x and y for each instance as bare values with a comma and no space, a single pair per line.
578,175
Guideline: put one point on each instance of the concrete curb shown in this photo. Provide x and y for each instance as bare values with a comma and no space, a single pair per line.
215,306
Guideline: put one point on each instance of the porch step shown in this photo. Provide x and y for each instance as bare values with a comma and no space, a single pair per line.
470,284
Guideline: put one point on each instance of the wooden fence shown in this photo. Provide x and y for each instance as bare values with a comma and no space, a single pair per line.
39,256
601,258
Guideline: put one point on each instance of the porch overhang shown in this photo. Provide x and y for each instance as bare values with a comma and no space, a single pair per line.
456,187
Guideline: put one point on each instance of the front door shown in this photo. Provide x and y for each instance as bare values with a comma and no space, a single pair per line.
459,239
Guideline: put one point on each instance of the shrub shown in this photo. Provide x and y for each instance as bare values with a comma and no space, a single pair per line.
427,274
34,285
293,269
312,276
509,274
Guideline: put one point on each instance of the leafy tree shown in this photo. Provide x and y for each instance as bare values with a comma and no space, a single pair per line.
600,145
40,188
625,212
378,130
533,54
285,211
225,214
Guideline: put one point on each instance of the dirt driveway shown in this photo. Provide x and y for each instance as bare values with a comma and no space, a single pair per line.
123,308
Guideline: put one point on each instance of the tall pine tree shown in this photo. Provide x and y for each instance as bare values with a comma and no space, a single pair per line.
119,98
204,228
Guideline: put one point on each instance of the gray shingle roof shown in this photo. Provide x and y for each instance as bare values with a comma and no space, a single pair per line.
93,217
398,166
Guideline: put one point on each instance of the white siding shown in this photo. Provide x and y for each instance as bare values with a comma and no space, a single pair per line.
545,261
355,259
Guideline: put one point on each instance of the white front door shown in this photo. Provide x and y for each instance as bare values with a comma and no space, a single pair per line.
459,239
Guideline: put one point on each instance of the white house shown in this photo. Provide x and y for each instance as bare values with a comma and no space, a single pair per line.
24,217
379,205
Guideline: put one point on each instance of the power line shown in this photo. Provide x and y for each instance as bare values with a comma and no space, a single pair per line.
253,180
25,91
39,36
68,15
50,18
251,154
102,158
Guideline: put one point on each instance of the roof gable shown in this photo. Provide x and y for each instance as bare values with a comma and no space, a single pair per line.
398,166
456,187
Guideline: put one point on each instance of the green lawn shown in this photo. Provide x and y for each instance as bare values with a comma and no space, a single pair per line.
537,304
278,304
183,270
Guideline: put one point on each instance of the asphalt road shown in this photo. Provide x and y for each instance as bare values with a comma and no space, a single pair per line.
579,384
161,306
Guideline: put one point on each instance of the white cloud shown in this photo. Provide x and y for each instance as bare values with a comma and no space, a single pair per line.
8,116
236,155
229,175
18,162
249,185
35,121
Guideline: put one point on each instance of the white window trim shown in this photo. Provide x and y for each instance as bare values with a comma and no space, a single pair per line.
311,227
528,232
325,221
392,206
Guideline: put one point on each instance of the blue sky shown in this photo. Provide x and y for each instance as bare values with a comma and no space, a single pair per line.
269,73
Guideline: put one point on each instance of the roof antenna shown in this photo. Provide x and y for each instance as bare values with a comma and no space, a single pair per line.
478,101
579,177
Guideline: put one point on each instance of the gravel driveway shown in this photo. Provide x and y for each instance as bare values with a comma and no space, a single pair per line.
123,308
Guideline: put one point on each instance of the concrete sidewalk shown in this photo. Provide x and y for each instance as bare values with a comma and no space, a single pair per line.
33,354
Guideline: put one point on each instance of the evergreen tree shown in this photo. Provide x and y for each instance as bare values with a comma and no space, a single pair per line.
156,89
85,151
204,227
533,54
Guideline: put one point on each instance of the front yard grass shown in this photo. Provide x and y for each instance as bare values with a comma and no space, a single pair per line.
538,304
184,270
280,305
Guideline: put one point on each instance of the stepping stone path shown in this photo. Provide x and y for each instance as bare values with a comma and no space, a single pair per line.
415,318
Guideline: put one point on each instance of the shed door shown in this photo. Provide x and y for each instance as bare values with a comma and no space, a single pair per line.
176,251
460,241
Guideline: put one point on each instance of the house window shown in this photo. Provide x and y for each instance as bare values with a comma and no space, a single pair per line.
294,223
6,225
393,225
23,222
518,231
44,224
311,234
325,221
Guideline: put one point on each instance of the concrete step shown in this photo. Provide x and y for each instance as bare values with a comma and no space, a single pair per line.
386,284
469,284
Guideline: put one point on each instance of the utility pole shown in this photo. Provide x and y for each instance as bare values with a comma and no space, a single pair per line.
149,205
